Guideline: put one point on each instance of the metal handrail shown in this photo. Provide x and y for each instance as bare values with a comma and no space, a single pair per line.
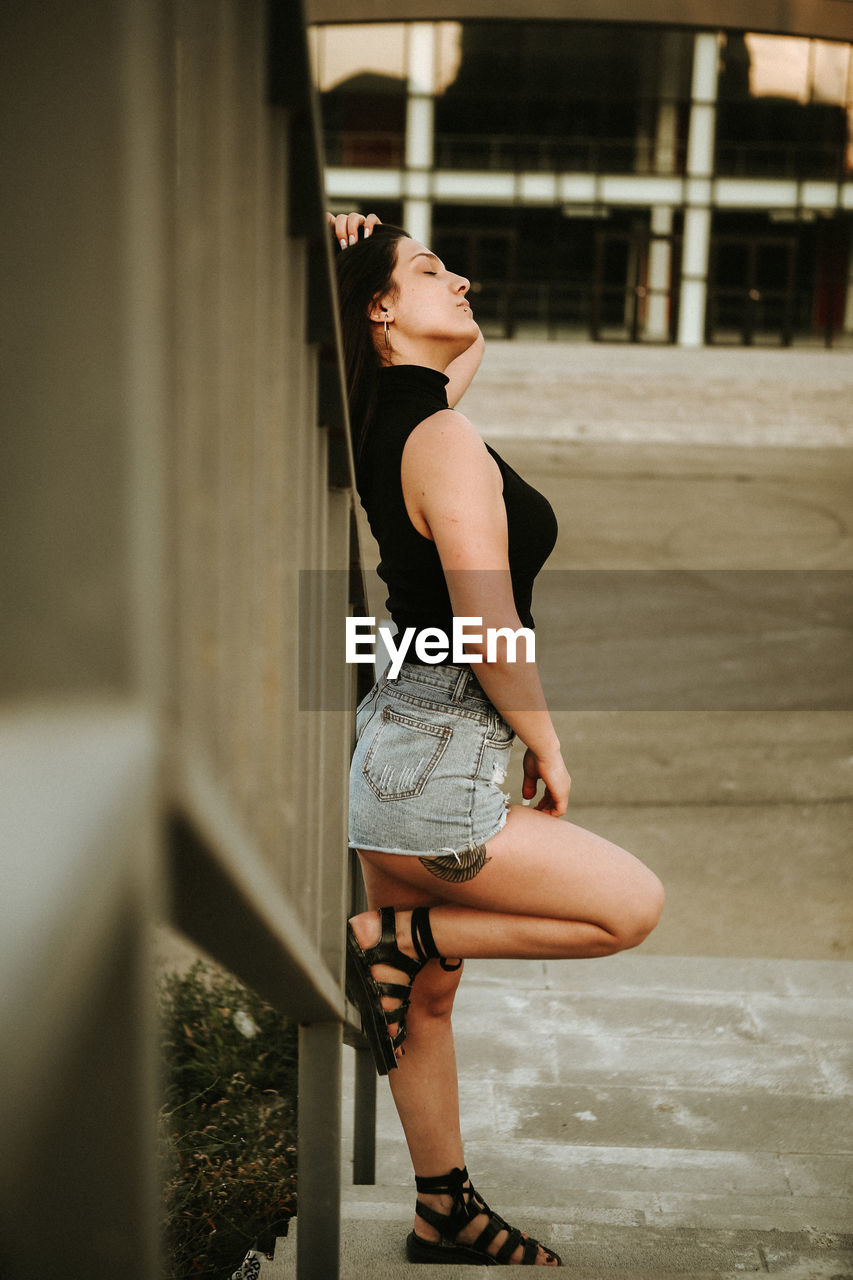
560,153
515,153
781,158
535,153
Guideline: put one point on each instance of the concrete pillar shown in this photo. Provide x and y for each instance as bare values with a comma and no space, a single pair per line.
420,130
666,130
697,213
659,275
848,306
660,267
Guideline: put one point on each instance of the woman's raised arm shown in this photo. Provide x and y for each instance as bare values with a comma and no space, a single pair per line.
453,487
461,370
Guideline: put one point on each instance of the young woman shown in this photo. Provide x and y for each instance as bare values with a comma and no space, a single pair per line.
451,869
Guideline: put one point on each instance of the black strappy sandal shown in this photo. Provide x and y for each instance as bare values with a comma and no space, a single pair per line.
367,994
467,1205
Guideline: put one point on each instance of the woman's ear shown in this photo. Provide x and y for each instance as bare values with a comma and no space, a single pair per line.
380,311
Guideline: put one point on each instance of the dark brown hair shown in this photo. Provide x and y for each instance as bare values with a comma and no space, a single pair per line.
365,274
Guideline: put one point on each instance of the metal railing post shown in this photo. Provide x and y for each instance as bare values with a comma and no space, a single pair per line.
319,1147
364,1126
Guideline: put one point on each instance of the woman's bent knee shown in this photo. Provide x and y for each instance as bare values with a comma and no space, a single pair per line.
434,990
643,915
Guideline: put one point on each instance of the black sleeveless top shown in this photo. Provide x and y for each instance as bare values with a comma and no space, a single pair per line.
410,565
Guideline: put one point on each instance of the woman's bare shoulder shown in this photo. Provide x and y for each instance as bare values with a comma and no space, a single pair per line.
447,472
446,438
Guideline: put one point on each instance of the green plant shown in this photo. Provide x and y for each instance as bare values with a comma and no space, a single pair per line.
228,1122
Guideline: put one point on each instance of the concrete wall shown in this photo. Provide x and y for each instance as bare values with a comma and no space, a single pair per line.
248,462
174,452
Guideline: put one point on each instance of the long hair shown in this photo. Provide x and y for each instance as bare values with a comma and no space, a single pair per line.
365,272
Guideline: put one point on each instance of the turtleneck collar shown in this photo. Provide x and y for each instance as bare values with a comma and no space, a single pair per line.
404,381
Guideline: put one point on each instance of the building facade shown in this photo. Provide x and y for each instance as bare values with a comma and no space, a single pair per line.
605,180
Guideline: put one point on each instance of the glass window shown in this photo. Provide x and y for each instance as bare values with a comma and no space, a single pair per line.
805,70
785,107
361,74
564,96
343,54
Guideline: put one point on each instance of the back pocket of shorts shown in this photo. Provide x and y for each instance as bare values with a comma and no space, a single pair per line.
403,754
494,755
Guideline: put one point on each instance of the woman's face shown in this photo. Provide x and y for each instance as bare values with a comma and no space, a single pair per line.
430,320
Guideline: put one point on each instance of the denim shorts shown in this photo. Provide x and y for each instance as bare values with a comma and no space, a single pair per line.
430,756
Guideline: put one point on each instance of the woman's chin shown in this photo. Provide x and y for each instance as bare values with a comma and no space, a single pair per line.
466,337
470,339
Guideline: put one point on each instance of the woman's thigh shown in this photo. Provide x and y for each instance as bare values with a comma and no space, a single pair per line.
538,865
386,884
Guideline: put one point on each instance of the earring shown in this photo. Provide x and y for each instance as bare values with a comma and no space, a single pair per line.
387,337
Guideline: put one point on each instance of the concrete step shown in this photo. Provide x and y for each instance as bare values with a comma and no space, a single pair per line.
373,1248
674,1117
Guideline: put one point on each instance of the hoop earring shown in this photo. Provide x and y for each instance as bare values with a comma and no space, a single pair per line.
387,337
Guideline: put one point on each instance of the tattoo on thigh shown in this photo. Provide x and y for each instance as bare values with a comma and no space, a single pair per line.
456,868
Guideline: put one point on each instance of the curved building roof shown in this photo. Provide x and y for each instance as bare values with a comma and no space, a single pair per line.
831,19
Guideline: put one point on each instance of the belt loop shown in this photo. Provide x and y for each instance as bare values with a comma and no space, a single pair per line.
461,685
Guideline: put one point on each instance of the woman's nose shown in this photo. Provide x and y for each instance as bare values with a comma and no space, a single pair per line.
462,284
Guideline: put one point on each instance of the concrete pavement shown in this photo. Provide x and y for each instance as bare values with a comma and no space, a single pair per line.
649,1116
683,1110
617,392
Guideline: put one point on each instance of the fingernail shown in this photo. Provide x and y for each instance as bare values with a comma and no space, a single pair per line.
343,242
368,231
353,239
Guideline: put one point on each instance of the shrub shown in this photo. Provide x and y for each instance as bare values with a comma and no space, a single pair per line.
228,1123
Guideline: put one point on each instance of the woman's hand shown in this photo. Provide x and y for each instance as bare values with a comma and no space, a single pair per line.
552,771
346,226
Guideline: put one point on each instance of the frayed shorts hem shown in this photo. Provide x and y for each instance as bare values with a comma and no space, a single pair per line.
432,853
